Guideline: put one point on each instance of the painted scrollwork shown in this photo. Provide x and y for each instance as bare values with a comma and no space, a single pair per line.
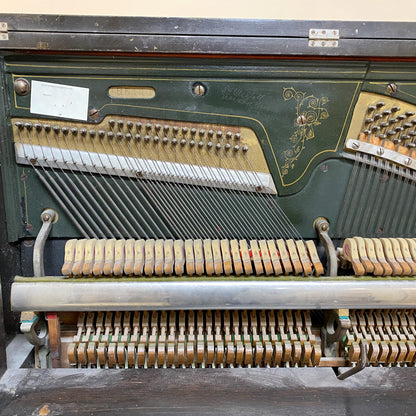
313,112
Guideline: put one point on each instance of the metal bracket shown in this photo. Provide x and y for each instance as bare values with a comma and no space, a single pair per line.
323,38
361,364
321,225
337,322
4,31
48,217
34,328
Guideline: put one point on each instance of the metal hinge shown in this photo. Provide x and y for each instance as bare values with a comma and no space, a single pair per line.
323,38
4,31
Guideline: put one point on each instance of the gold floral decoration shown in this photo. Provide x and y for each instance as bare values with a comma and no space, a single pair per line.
313,111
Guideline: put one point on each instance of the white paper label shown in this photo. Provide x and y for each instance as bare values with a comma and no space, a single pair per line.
59,100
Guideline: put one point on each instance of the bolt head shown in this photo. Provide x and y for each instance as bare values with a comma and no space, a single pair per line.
199,89
21,86
301,120
391,88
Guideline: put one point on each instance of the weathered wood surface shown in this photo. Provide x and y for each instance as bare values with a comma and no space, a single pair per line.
304,391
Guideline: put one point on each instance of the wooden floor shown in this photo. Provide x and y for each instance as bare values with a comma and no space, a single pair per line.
282,391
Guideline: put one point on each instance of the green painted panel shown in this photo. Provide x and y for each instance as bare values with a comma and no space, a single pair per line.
266,95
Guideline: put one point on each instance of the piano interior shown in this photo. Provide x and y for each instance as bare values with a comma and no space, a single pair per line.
206,207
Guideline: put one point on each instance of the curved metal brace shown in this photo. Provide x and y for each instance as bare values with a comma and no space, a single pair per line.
321,225
48,218
34,328
361,364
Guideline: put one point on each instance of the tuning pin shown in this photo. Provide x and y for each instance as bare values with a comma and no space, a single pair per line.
92,133
218,146
83,132
165,140
201,144
156,139
112,123
192,143
210,133
120,124
47,127
110,135
193,131
37,126
128,136
219,134
371,108
139,126
119,135
74,131
201,132
166,128
237,136
386,113
129,124
158,127
65,130
380,104
209,145
184,130
101,133
174,141
409,113
395,109
28,126
146,138
377,116
19,125
175,129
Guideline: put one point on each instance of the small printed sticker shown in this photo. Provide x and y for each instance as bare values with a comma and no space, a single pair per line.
59,100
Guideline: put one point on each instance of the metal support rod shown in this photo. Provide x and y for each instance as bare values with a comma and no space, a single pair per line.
321,225
361,364
96,295
3,361
47,217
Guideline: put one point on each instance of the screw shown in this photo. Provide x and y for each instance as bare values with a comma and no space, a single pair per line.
301,120
355,145
93,113
391,88
199,89
380,151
